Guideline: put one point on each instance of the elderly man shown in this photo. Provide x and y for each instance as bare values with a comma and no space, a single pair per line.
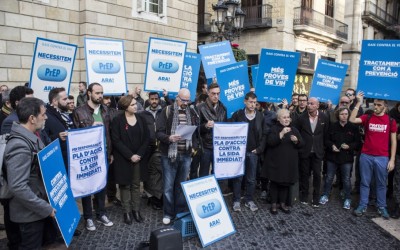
175,152
313,127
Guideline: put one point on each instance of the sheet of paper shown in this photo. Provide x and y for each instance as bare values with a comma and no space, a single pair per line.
185,131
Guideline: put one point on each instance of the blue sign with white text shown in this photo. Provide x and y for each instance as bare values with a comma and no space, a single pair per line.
328,81
190,75
58,190
254,72
276,74
215,55
234,83
379,70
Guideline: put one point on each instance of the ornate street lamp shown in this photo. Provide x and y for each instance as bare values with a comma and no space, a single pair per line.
229,20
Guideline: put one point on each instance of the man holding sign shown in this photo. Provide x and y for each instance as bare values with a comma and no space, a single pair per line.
93,113
29,207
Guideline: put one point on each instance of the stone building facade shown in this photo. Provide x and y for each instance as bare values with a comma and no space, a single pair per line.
134,21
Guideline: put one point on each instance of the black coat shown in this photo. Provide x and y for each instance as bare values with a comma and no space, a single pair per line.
314,139
338,135
122,145
282,156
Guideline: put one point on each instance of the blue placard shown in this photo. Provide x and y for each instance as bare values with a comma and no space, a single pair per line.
105,64
378,74
52,66
190,75
215,55
328,81
208,208
254,72
234,84
58,190
164,65
276,74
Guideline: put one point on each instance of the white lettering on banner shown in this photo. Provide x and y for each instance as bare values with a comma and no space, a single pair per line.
276,77
382,68
380,128
59,188
234,91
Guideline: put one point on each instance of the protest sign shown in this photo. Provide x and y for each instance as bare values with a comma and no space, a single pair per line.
215,55
56,182
379,70
254,72
234,84
207,206
87,156
164,65
276,74
52,66
230,141
191,68
328,81
105,64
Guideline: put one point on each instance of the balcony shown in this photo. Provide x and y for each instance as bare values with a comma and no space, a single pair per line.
204,23
377,16
314,24
258,16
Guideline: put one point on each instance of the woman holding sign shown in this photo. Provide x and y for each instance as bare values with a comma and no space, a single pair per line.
281,159
130,138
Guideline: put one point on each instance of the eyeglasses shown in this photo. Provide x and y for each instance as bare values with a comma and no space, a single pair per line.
183,100
348,94
302,100
344,102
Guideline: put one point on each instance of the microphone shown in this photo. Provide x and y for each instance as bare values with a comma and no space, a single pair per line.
192,108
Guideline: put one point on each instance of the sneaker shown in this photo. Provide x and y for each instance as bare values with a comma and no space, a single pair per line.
323,200
253,207
359,211
90,225
304,202
382,211
236,206
263,195
346,204
166,221
105,221
315,205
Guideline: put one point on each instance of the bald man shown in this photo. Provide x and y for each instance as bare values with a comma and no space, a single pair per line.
175,152
313,127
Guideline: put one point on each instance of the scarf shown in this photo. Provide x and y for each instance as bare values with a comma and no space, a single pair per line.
6,110
173,147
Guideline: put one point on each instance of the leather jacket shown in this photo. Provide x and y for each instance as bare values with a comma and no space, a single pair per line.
83,117
208,113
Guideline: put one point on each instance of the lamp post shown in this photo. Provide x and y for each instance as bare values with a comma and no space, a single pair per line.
229,20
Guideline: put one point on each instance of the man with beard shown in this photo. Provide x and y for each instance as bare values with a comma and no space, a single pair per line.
58,120
93,113
377,154
152,172
175,153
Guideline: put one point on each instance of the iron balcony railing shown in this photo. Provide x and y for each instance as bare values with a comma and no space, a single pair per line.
312,18
258,16
379,13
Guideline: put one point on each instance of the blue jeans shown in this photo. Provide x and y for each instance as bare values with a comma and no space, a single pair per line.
346,175
207,159
173,174
377,166
250,175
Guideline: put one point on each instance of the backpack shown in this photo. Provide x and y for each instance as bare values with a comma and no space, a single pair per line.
4,189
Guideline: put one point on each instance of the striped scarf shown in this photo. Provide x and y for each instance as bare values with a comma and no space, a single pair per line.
173,147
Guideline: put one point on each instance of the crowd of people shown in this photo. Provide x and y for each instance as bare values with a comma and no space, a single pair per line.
286,144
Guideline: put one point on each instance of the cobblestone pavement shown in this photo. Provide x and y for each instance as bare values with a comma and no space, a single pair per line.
327,227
